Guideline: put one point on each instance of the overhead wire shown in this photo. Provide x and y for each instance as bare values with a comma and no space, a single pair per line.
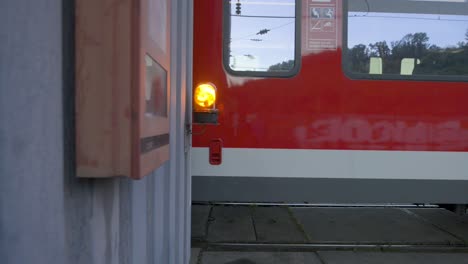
255,34
417,18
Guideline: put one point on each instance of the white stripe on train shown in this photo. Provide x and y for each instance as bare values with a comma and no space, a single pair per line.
346,164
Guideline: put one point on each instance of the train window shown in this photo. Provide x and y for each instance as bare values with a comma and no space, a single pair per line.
262,37
406,39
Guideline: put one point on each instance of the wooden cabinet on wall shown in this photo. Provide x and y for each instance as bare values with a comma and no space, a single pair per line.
122,87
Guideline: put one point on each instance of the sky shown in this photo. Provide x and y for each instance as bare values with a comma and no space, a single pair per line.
443,30
277,45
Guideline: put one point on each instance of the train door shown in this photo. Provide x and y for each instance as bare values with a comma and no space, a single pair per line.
332,101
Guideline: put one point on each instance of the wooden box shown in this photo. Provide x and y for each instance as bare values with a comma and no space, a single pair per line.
122,87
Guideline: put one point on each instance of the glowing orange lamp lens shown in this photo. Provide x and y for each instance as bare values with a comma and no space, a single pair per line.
205,95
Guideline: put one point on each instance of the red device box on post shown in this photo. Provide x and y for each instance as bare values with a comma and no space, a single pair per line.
122,87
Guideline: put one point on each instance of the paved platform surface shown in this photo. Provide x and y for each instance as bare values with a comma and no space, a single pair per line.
327,235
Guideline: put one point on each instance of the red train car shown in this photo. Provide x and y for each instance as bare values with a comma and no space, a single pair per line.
333,101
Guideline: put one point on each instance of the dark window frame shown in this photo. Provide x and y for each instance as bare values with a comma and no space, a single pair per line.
346,65
297,52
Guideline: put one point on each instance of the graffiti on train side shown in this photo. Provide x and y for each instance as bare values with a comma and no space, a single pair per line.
386,134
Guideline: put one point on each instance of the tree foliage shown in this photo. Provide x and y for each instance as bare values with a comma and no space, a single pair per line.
430,59
282,67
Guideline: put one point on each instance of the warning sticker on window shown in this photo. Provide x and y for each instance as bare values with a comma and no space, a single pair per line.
321,25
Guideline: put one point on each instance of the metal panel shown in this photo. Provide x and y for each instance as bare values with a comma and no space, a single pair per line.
83,221
31,167
263,189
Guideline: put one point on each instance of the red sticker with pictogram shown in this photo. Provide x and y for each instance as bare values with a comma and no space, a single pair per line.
322,25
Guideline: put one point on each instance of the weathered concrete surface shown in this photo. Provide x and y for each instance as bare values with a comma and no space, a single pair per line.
194,253
348,257
335,225
275,225
200,214
226,257
446,220
231,224
368,225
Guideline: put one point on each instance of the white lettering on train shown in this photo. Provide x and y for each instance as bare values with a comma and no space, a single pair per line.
361,131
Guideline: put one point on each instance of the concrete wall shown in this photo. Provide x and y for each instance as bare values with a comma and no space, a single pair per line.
47,215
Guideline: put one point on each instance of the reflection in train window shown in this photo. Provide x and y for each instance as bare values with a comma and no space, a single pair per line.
407,39
261,37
